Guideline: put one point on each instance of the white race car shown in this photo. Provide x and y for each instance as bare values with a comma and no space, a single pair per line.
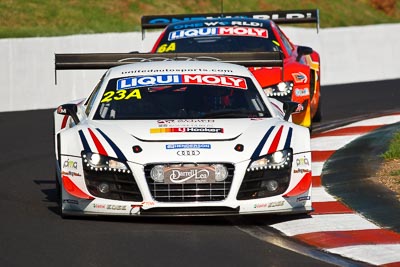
172,138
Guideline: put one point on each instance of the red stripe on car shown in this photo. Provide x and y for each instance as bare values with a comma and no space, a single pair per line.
97,143
275,142
74,190
302,187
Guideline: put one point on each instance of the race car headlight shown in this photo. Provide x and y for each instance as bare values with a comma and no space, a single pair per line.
280,89
97,162
277,160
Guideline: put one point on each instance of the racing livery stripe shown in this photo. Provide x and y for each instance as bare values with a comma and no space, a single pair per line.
117,151
260,146
99,146
303,186
73,189
275,142
64,122
288,139
85,143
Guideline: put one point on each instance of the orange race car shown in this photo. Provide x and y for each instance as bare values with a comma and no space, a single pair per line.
298,79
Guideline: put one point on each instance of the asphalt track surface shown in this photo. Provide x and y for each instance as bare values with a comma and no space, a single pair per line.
33,234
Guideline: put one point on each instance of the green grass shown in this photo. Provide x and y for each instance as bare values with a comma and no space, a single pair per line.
22,18
393,151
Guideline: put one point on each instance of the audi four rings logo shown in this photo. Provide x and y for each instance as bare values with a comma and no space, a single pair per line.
188,152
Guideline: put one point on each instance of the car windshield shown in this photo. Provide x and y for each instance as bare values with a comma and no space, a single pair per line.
202,40
203,96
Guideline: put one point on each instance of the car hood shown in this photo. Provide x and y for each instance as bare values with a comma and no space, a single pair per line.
186,140
190,129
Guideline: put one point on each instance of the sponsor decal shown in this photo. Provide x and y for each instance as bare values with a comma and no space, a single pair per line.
199,174
274,15
186,123
300,77
299,108
188,152
218,31
276,204
269,205
71,173
304,198
116,207
169,79
187,130
71,201
299,170
302,92
110,207
70,164
99,206
61,110
148,203
188,146
302,161
219,23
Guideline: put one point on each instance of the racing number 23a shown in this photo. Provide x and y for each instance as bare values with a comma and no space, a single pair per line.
120,95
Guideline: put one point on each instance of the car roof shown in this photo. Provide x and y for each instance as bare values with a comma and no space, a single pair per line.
177,67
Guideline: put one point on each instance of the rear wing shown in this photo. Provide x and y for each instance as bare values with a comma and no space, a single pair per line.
280,17
109,60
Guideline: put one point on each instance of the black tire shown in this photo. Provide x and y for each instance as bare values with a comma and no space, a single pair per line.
318,114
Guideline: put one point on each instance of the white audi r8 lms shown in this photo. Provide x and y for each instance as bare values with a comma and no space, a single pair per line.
180,138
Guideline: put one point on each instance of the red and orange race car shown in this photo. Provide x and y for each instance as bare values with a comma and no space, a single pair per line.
298,79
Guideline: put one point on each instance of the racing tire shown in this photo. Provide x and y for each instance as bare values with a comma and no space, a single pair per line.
318,114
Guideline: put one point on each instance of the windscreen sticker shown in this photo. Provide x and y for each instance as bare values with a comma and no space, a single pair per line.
165,48
170,79
120,95
212,31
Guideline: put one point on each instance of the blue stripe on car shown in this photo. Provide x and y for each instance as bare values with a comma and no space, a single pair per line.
260,146
289,138
85,143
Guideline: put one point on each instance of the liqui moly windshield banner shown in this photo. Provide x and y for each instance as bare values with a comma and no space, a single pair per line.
170,79
213,31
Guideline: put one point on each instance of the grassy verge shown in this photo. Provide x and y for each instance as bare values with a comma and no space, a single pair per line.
21,18
393,151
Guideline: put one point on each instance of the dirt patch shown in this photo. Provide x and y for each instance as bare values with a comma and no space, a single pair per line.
389,175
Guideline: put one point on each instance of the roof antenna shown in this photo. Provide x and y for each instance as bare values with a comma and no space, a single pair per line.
222,8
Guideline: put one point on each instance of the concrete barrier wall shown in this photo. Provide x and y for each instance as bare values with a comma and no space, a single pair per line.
27,76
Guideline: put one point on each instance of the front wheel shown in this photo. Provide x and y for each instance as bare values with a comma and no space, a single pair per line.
318,114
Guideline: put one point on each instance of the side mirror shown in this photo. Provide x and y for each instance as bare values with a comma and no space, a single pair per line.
69,110
302,51
290,108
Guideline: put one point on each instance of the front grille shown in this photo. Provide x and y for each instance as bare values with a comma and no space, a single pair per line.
122,186
190,192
